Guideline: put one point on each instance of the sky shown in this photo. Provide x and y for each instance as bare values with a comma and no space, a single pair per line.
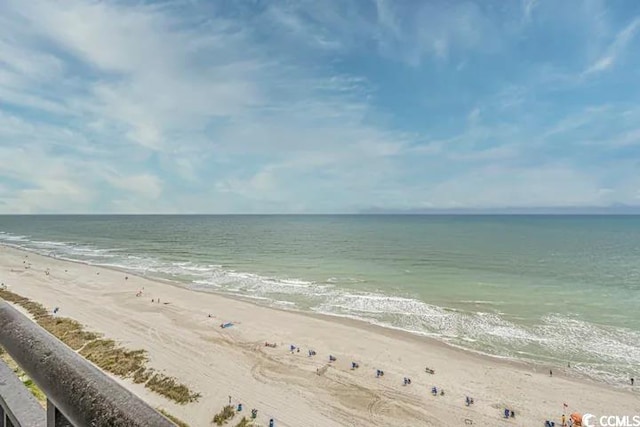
323,106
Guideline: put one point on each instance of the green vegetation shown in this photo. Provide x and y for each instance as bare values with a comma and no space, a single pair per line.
142,375
34,389
173,419
223,416
104,353
171,389
26,380
113,358
244,422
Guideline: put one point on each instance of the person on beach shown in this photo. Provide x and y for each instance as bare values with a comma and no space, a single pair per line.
564,421
632,381
550,373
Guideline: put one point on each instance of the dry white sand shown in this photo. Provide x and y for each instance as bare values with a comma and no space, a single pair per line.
182,341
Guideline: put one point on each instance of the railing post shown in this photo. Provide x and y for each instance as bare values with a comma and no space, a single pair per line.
55,418
18,407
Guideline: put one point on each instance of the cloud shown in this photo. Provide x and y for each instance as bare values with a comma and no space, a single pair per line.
432,30
615,49
197,107
528,7
142,185
549,186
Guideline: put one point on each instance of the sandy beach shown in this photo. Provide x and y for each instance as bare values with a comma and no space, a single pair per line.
296,389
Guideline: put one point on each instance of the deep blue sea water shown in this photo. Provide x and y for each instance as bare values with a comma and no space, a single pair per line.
551,289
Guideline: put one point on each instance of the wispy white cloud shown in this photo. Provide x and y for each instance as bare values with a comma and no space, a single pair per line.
306,107
617,47
189,91
528,6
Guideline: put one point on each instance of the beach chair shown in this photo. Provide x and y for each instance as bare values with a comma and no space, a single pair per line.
506,413
332,358
434,391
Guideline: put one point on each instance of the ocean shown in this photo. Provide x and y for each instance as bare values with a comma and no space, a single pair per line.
551,290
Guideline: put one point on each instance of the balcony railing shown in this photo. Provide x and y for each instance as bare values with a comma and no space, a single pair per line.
78,393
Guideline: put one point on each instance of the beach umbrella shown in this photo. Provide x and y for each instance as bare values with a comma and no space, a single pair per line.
576,418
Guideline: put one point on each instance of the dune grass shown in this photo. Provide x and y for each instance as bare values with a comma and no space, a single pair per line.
176,421
244,422
105,353
223,416
171,388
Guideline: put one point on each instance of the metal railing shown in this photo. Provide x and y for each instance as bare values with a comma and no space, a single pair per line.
78,393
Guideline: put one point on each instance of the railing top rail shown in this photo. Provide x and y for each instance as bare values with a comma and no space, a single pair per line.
83,393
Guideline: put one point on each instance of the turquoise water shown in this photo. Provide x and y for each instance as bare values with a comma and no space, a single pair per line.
551,289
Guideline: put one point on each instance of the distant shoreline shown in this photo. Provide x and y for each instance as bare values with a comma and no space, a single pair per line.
352,321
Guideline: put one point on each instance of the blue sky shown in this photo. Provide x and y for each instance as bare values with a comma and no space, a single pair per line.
317,106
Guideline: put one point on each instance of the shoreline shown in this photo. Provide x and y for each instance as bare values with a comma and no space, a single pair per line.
100,298
354,321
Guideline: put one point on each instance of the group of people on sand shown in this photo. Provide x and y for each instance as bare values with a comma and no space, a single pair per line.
254,413
380,373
